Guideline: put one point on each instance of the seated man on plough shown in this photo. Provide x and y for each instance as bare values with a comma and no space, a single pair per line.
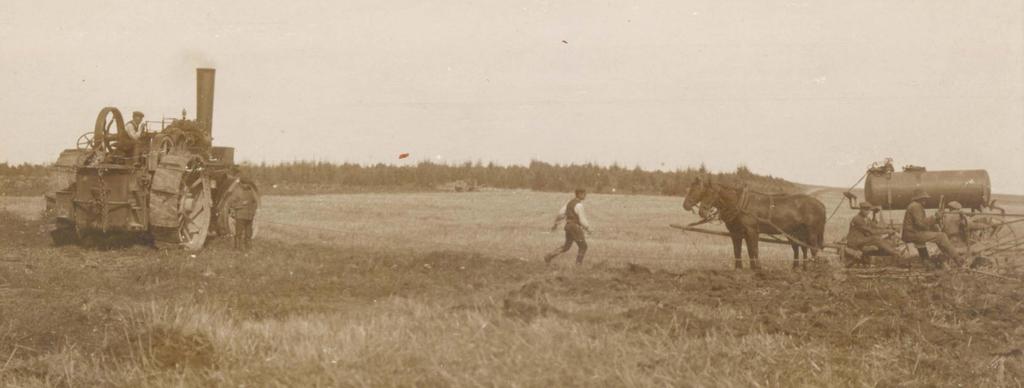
865,233
960,228
918,229
967,233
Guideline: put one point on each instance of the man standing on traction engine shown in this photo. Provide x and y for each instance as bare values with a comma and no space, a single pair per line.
133,131
575,224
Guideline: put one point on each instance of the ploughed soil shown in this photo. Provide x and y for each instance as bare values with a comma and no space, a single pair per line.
52,298
844,309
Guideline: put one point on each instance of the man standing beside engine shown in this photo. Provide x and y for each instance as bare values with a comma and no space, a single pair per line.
575,225
243,210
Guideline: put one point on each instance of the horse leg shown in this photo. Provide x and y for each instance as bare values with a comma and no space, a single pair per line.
819,241
805,235
737,250
752,248
816,241
796,248
804,264
796,255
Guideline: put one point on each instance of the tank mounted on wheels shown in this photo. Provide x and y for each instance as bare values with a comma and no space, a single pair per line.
171,185
891,190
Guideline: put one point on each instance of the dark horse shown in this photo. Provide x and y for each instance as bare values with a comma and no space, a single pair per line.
747,214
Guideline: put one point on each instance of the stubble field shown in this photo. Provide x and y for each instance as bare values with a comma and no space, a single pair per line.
449,289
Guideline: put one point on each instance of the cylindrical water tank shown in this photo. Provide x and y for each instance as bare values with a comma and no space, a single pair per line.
892,190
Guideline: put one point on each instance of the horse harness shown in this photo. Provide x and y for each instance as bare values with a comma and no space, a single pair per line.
743,207
744,203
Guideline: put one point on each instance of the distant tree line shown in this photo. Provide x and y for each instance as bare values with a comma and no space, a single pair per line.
306,177
537,176
24,179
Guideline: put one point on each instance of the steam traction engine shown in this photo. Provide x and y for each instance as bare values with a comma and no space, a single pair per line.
172,185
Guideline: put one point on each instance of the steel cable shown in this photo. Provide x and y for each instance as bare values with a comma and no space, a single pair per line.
834,211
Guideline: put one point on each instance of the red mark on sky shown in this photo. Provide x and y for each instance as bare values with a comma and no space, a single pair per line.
403,155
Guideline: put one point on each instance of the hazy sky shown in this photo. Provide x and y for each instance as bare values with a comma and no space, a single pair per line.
813,91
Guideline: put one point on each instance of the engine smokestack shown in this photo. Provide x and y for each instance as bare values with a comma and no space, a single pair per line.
204,98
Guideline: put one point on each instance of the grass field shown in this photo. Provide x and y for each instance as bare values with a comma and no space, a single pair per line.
442,289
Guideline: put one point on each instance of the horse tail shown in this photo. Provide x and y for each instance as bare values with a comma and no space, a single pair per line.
819,239
818,229
820,236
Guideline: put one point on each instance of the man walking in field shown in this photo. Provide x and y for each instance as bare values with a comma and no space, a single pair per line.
918,229
243,210
575,225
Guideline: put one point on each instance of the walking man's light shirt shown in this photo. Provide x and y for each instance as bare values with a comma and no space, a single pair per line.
579,212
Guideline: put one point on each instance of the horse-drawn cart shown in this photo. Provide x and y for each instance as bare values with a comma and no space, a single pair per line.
982,231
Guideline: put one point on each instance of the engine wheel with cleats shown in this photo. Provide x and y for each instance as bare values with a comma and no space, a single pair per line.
191,209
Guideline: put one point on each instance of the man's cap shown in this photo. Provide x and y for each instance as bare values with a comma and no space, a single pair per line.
137,114
919,194
954,205
864,206
581,191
